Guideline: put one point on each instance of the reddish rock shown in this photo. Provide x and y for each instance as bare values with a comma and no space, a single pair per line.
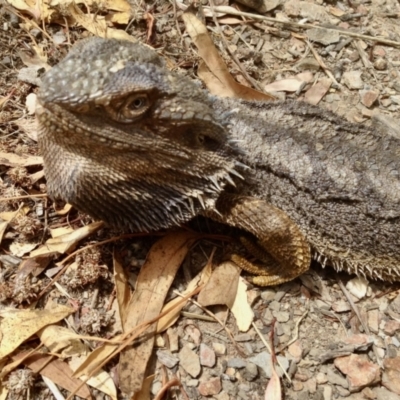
207,356
368,98
391,327
391,374
211,387
360,372
358,340
296,350
189,361
378,51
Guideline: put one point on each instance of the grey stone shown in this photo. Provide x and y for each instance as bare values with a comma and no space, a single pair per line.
382,393
263,361
336,379
167,358
236,363
323,36
250,372
352,79
243,337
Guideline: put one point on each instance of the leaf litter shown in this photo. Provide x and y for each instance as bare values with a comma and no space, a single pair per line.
284,302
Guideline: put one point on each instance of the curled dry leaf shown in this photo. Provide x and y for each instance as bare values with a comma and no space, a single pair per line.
35,58
215,74
29,6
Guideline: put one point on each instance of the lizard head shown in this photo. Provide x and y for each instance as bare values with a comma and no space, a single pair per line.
127,141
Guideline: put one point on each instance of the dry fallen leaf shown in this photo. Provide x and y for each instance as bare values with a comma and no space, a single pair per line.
241,308
97,24
285,85
14,160
222,286
169,319
10,215
20,249
58,371
122,288
3,227
37,58
273,390
66,243
153,283
62,341
144,393
216,75
30,6
101,380
315,94
96,358
64,230
17,326
3,392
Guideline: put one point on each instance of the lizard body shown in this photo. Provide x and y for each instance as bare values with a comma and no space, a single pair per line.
138,146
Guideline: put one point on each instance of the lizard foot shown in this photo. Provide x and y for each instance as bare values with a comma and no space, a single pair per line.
278,239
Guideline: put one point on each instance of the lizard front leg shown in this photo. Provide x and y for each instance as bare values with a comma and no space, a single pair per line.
280,242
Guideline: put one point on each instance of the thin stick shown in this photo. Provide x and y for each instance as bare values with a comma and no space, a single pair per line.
322,64
230,10
270,350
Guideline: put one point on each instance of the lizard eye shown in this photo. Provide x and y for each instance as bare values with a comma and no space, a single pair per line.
135,106
82,109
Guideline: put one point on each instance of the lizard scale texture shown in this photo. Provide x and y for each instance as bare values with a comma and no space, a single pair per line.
140,147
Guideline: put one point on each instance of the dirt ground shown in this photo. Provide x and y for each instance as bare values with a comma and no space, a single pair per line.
335,336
